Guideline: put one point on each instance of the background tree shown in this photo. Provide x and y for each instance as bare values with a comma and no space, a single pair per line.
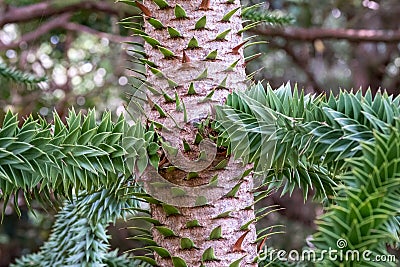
78,45
333,44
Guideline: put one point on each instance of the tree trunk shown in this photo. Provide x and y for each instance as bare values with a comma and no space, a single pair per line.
208,222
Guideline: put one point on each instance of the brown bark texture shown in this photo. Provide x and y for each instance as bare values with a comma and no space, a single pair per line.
220,208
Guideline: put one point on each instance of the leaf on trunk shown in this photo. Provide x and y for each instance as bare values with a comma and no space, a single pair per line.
209,255
198,139
160,111
147,219
234,190
147,198
187,243
162,4
214,181
192,175
249,27
145,240
151,41
205,5
232,66
228,15
165,231
156,72
185,117
237,262
158,125
149,260
216,233
208,97
221,36
192,224
167,97
138,32
251,75
254,43
178,104
226,214
200,201
178,192
186,145
201,23
246,225
133,228
202,76
238,245
193,43
166,52
172,84
247,172
180,12
222,84
221,165
203,155
212,55
191,90
178,262
174,33
252,57
173,151
156,23
148,62
143,8
170,210
170,168
160,251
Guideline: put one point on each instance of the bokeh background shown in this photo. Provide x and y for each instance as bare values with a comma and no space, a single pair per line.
83,49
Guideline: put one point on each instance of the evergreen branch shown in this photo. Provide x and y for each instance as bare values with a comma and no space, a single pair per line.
112,259
277,141
267,16
79,235
311,133
318,135
82,155
19,76
365,210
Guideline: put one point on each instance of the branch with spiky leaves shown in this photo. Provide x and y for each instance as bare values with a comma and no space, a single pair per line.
261,15
18,76
365,210
45,160
270,121
79,237
315,134
322,134
83,154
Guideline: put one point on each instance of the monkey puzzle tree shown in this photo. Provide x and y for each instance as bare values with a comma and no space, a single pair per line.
203,204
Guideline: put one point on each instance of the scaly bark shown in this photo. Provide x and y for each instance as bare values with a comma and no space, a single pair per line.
227,247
